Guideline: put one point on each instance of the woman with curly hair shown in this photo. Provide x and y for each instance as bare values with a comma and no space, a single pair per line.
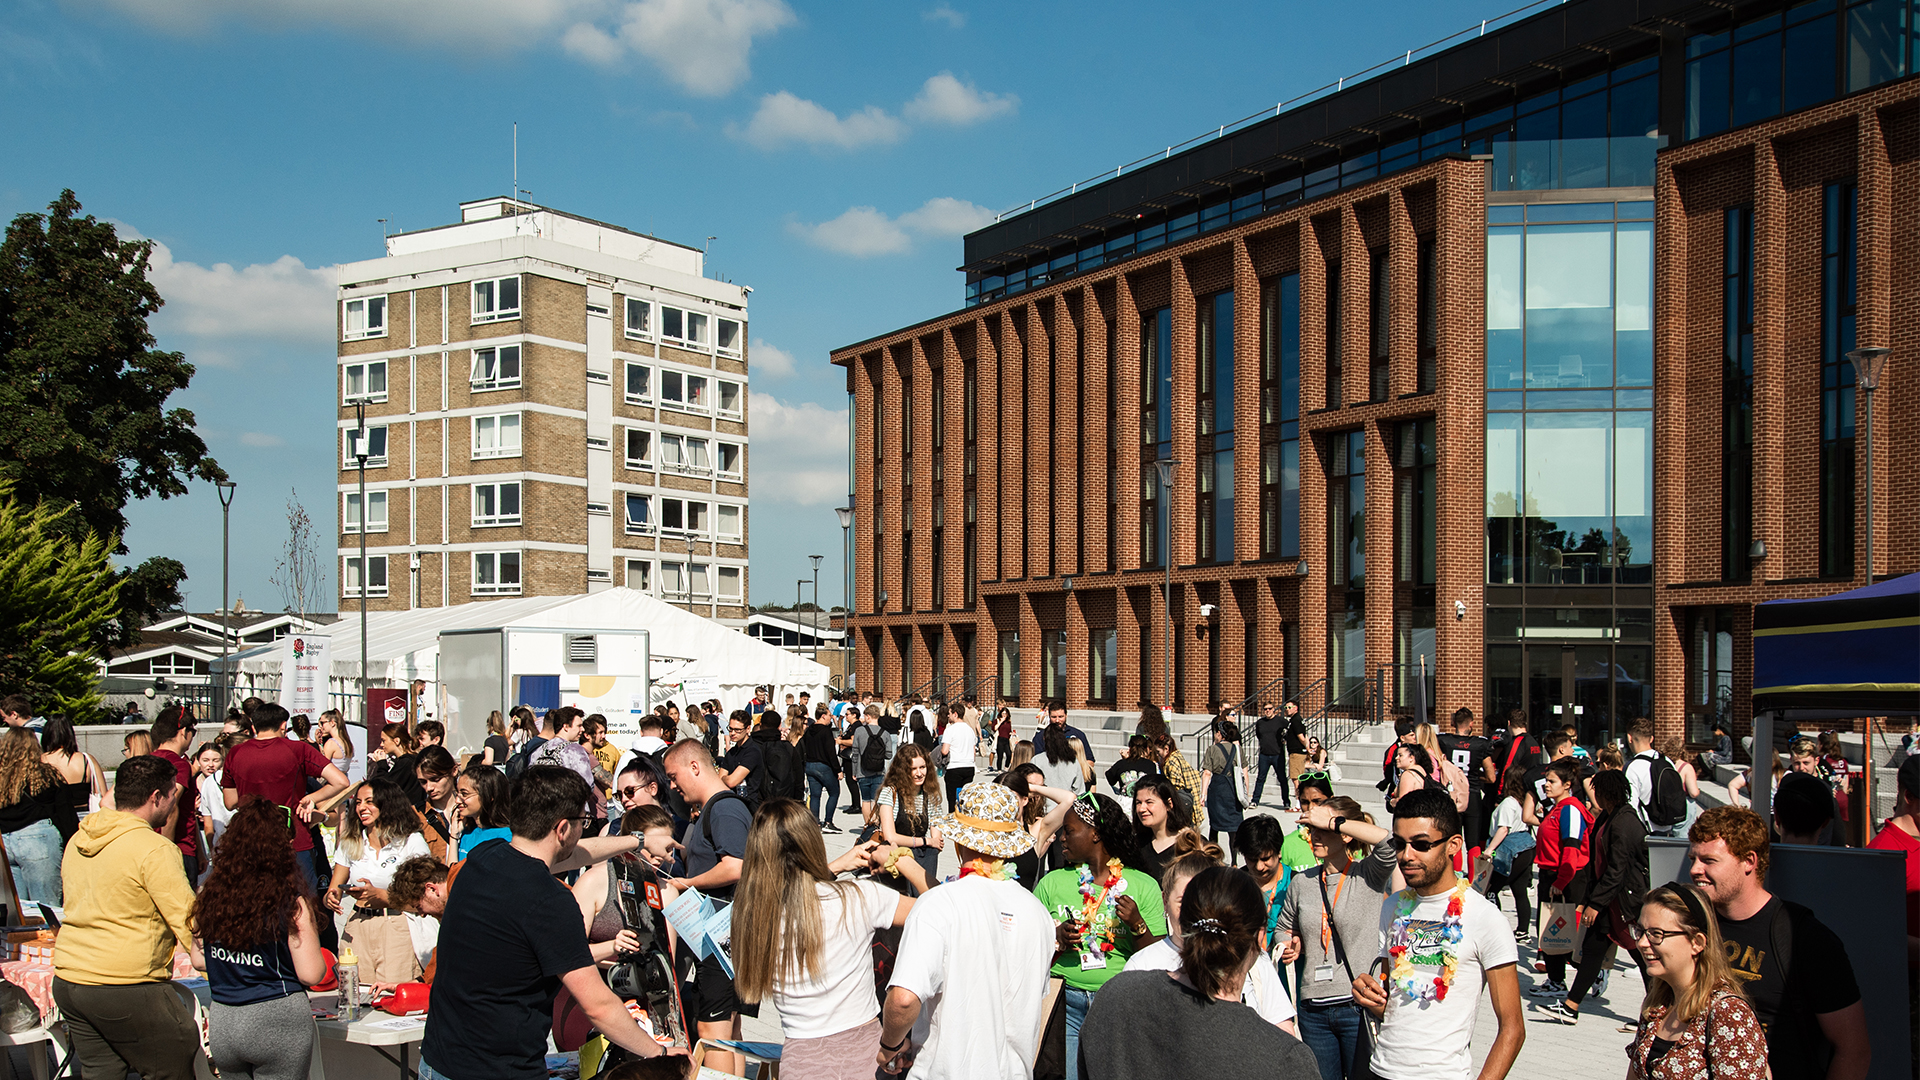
378,833
256,925
908,804
36,818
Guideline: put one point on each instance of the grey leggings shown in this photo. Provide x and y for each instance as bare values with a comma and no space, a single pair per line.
268,1040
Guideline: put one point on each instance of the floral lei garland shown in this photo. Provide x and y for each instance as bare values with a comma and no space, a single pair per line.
1405,982
992,869
1098,903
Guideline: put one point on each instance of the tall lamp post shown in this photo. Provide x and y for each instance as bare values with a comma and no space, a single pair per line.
1868,363
846,590
816,606
798,585
1165,467
360,458
225,488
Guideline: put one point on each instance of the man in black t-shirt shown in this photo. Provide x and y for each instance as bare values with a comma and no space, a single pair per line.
1272,748
1793,968
1295,730
743,761
1507,755
1473,756
716,845
505,956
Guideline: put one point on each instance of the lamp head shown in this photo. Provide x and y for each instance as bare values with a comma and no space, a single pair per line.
846,516
1868,363
1165,468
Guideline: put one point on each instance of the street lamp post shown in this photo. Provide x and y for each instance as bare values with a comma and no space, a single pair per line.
1165,467
816,606
225,488
1868,363
846,589
360,457
798,584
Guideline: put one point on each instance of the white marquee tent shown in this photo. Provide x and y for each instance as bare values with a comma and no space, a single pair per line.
691,655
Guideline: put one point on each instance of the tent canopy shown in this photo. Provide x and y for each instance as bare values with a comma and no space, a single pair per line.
405,645
1856,651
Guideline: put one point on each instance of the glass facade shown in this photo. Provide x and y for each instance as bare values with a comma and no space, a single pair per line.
1789,60
1280,418
1569,402
1839,288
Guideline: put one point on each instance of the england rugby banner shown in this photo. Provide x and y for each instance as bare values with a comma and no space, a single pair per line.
304,665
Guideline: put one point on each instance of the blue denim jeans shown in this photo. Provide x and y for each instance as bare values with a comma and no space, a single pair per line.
820,776
869,787
428,1072
1332,1032
33,854
1077,1002
1276,762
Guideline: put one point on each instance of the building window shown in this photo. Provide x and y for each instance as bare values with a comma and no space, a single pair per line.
496,436
639,515
1010,665
364,381
1280,418
730,459
1156,429
496,299
376,512
1053,664
1415,493
729,518
363,318
1335,372
639,448
496,504
1709,647
1839,289
684,454
376,435
732,397
639,384
681,327
639,318
699,581
673,580
1347,509
729,582
1213,334
496,573
683,516
1736,395
726,336
1379,326
1426,316
496,368
1103,655
686,393
1785,62
640,575
376,575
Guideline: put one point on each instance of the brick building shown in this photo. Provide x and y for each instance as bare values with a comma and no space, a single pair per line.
1431,293
553,406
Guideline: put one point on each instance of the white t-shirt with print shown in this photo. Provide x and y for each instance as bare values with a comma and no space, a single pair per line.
975,952
376,867
842,997
1429,1040
1508,814
1263,992
959,741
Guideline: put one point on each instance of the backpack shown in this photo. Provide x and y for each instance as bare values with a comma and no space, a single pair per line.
706,813
873,756
1667,801
518,763
779,767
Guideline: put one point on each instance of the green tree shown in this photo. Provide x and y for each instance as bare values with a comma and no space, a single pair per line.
85,390
59,597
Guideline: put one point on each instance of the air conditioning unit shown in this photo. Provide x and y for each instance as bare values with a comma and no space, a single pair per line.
582,649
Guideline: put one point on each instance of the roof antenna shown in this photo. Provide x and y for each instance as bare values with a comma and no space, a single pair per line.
383,232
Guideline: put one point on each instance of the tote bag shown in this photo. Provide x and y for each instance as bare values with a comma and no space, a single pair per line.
1561,928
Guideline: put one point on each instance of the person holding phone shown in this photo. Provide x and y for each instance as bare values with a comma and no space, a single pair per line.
378,833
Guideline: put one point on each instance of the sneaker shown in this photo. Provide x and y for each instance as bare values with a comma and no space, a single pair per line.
1557,1011
1521,936
828,826
1548,989
1600,984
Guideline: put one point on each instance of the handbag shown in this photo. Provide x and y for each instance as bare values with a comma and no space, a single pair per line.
1561,929
1050,1061
1369,1024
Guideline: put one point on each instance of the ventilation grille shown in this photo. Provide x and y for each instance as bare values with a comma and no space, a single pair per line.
583,650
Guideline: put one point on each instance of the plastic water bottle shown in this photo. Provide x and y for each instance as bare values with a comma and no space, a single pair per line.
347,971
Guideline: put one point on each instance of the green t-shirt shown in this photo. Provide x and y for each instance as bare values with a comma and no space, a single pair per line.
1297,850
1060,892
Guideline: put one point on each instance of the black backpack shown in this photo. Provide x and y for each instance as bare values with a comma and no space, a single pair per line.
873,756
1667,802
517,764
779,770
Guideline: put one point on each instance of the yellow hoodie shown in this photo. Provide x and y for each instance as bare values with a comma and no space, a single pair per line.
127,903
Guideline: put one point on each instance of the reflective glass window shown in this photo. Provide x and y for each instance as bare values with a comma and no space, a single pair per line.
1569,324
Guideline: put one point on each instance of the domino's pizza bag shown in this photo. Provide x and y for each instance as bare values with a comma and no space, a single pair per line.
1562,929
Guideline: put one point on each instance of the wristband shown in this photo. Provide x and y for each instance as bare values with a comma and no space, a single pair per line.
896,1047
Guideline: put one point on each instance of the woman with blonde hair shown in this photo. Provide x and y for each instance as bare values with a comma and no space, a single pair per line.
1695,1020
36,818
803,940
907,806
496,748
1444,770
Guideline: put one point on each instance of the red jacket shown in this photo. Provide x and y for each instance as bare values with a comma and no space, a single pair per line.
1561,845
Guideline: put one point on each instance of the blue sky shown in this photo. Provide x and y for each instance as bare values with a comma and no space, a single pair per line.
838,152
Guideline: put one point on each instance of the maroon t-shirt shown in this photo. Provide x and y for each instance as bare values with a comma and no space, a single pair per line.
186,830
276,770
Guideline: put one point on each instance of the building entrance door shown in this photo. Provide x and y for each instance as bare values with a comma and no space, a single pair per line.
1599,689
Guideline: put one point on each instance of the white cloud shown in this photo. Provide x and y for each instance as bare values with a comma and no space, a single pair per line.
944,99
799,452
260,439
701,45
769,359
784,118
863,231
226,312
946,14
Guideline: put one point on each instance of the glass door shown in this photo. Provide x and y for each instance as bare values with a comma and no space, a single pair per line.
1547,681
1592,677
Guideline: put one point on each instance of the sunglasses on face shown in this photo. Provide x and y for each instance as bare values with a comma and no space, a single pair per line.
629,792
1418,843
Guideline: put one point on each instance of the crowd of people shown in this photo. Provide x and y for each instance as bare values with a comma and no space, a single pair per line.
1139,920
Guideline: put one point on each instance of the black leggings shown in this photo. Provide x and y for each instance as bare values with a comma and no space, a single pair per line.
957,779
1519,879
1225,840
1593,959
